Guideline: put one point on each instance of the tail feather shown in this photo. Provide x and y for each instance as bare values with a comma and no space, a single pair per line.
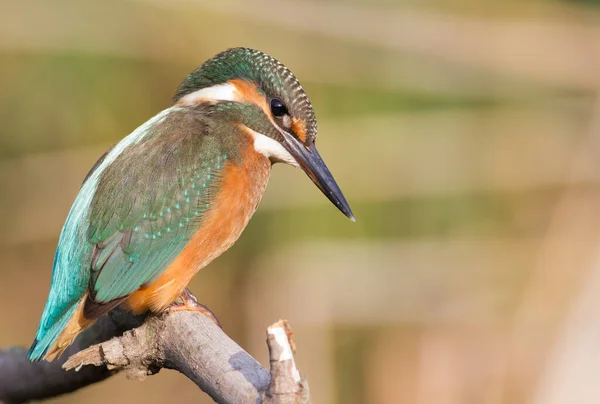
46,337
30,354
51,343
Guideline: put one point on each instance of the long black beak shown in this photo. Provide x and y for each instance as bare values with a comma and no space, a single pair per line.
313,165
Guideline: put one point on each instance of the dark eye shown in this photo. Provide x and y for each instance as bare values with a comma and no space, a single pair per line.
277,107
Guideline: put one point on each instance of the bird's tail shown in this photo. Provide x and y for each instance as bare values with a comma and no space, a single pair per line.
51,343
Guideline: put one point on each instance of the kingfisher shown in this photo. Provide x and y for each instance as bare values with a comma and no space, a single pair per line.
177,192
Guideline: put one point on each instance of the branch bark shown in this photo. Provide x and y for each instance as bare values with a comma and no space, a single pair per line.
186,341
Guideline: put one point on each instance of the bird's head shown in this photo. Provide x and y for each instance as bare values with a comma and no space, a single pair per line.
278,113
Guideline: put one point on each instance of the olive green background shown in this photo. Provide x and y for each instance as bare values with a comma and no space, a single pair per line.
465,135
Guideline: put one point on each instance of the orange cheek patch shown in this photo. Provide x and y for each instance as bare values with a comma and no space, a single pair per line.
249,93
299,128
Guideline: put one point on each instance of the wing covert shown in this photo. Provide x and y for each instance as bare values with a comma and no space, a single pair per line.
148,204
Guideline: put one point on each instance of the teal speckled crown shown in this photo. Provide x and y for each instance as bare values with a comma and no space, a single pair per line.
258,67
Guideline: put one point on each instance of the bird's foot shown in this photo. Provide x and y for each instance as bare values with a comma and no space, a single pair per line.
187,301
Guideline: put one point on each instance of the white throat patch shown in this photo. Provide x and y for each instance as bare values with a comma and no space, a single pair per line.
271,148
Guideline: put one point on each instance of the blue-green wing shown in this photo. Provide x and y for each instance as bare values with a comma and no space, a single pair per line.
144,214
134,214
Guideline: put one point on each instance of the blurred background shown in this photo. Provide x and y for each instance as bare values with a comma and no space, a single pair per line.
464,133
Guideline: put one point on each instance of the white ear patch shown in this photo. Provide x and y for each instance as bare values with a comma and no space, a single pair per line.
220,92
271,148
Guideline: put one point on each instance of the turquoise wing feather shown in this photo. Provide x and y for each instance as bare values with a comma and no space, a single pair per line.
134,214
148,204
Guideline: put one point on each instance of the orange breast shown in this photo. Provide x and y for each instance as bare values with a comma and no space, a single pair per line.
242,187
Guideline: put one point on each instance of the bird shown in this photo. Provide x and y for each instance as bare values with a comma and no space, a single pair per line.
177,192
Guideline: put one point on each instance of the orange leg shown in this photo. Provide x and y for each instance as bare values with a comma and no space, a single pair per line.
187,301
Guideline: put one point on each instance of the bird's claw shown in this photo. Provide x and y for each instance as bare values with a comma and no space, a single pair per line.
187,301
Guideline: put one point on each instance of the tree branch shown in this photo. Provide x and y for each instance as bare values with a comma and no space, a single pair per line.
186,341
22,381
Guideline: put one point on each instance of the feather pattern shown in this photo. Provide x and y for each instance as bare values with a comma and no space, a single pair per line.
134,214
272,76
